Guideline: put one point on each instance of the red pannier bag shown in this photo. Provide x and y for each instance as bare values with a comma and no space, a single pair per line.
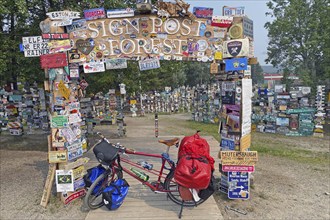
195,165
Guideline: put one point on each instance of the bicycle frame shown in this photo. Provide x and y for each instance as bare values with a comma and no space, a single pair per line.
160,173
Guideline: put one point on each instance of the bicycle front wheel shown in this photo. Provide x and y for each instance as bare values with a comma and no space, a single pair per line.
93,198
174,195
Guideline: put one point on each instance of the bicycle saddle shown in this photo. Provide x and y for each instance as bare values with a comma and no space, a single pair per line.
170,142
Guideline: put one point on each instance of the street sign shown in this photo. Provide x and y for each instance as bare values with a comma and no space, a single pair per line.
239,158
239,183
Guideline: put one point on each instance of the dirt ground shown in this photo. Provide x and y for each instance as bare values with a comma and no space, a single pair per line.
282,189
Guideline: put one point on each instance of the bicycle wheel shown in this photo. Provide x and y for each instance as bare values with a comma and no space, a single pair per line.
174,194
93,198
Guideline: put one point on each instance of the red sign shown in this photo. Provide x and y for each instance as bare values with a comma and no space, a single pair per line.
53,60
233,168
83,84
73,196
221,21
55,36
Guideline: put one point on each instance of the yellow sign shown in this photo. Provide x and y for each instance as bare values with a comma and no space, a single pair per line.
57,157
132,102
65,92
245,142
79,172
239,157
218,55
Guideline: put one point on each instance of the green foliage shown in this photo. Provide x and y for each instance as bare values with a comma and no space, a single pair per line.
299,37
257,74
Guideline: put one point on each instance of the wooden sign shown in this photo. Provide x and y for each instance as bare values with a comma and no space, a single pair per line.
247,158
48,185
34,46
214,68
245,142
77,163
64,91
57,157
56,46
53,60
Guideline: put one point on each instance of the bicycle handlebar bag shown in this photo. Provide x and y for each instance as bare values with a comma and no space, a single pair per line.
105,152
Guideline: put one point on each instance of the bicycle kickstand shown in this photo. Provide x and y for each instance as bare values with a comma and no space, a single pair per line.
180,213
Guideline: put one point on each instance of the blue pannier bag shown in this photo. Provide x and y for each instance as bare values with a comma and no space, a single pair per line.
113,196
92,174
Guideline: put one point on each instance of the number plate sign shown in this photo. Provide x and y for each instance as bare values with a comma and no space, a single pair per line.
248,158
149,64
238,183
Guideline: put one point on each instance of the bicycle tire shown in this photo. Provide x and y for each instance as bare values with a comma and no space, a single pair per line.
174,194
97,196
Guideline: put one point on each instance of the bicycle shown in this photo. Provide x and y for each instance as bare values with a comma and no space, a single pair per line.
109,155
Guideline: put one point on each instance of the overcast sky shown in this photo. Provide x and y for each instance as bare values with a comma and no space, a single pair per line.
254,9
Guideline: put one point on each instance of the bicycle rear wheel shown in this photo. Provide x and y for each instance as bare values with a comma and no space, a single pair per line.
93,198
174,195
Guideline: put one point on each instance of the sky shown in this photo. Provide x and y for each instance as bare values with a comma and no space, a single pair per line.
254,9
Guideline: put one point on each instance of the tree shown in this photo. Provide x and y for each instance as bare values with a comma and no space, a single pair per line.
257,74
299,37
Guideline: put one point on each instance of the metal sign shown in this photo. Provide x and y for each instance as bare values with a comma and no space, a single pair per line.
236,64
94,67
149,64
95,13
239,185
34,46
227,144
63,15
119,63
238,157
120,13
232,168
59,121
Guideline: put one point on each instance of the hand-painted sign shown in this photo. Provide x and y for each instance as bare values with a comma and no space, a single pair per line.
63,15
149,64
57,46
59,121
116,63
221,21
236,64
203,12
34,46
233,48
238,157
57,157
120,13
239,185
245,142
95,13
233,168
53,60
94,67
79,172
55,36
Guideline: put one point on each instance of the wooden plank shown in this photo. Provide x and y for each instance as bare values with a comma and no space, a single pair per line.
48,185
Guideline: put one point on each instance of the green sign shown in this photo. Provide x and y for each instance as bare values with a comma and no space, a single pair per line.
59,121
299,110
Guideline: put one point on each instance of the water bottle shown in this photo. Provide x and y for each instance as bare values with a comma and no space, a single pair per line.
140,174
146,165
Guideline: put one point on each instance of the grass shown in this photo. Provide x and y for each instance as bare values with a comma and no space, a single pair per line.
270,148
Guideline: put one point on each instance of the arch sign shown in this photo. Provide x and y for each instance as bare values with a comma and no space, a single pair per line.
145,36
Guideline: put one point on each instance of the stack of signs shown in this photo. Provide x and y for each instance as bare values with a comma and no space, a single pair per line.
320,111
236,166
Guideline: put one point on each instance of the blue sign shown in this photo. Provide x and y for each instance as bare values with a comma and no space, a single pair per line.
239,183
227,144
21,48
236,64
